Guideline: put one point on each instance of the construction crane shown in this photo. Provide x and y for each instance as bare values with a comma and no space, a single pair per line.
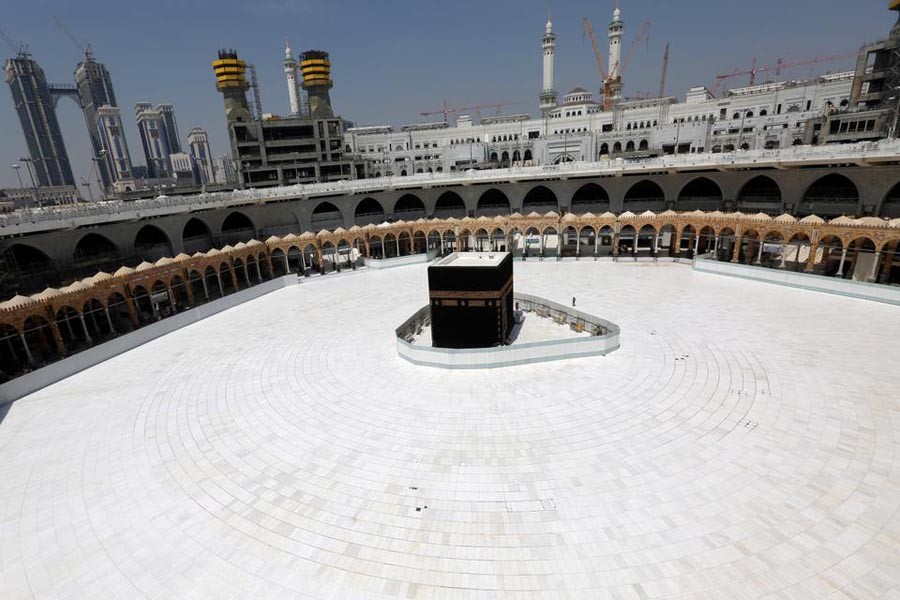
777,68
613,80
665,71
15,46
254,86
447,109
604,76
83,46
642,36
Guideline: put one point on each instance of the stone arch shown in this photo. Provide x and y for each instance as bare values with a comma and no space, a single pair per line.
368,211
95,252
151,243
644,195
890,206
326,216
237,227
832,195
409,207
214,284
39,339
196,236
450,204
701,193
590,197
493,202
760,194
540,199
279,262
31,267
94,314
72,329
13,354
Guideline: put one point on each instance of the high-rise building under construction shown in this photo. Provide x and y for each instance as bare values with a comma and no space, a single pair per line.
272,150
34,104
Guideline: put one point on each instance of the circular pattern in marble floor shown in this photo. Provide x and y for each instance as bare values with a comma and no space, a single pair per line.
742,443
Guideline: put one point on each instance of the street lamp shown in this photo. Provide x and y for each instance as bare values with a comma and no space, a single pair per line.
16,168
34,193
100,155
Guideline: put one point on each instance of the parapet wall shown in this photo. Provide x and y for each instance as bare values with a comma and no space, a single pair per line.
804,281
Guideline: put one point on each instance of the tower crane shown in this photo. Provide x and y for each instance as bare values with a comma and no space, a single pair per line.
83,46
613,79
447,109
778,67
15,46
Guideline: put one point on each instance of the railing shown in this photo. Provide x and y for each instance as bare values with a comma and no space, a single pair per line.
117,210
604,338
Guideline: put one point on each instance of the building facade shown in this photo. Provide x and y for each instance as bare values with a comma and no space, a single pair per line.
167,113
113,143
35,107
95,90
198,144
154,140
780,114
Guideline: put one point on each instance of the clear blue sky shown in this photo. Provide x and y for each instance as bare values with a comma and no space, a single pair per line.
393,59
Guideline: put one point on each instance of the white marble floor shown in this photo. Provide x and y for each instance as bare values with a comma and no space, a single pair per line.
742,443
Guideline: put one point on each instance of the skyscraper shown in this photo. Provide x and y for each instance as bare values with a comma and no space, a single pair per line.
112,140
34,105
95,90
154,140
198,143
167,111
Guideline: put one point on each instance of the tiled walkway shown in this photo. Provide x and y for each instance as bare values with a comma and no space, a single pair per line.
742,443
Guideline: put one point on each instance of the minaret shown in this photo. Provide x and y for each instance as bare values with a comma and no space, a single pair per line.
616,33
548,94
290,73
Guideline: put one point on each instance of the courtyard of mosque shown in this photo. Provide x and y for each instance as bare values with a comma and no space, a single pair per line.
741,443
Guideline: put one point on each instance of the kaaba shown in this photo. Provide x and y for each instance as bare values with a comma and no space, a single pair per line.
471,297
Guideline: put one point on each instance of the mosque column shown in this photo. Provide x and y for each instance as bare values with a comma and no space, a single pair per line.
397,242
287,264
87,335
246,274
873,273
696,244
811,259
577,245
172,300
109,320
302,261
655,250
12,349
615,246
783,254
258,272
221,286
675,244
94,321
27,349
69,327
840,271
797,255
736,253
759,253
190,293
888,261
205,288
